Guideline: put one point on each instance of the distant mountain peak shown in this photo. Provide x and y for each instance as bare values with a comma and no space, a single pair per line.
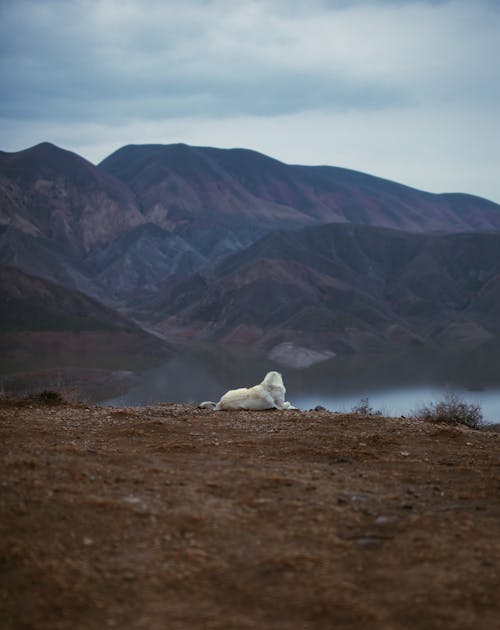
64,198
48,149
248,186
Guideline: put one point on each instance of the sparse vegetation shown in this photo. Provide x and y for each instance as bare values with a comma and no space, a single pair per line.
452,410
49,397
363,408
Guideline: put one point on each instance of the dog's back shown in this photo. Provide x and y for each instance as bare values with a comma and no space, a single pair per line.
252,398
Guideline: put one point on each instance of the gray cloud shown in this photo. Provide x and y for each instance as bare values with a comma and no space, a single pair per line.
88,60
124,65
102,59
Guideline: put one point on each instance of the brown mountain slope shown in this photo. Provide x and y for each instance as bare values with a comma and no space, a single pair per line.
47,191
152,211
45,325
177,184
152,227
31,303
341,288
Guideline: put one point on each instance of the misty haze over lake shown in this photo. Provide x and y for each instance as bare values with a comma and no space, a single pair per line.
394,385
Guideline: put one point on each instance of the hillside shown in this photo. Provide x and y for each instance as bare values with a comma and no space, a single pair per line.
178,184
48,192
57,208
173,517
340,288
44,325
148,212
31,303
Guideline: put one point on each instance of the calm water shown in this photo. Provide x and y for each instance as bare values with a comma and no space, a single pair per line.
396,402
395,385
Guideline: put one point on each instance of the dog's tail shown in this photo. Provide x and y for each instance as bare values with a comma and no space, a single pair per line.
207,405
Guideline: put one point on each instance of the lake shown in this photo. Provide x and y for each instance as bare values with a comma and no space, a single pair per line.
394,384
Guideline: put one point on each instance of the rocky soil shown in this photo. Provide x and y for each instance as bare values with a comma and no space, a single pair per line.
173,517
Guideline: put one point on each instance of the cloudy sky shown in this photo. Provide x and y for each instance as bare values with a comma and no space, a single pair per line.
404,89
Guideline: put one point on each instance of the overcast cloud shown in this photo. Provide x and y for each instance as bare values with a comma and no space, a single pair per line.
408,90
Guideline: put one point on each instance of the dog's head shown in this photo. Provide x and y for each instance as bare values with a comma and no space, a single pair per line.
273,379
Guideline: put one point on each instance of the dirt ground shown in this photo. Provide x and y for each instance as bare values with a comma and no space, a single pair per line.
170,517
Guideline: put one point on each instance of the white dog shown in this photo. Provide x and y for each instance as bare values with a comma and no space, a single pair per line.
270,394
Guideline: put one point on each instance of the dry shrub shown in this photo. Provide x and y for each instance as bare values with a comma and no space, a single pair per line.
46,397
452,410
363,408
49,397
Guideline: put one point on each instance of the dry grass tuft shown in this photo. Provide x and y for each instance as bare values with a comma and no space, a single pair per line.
452,410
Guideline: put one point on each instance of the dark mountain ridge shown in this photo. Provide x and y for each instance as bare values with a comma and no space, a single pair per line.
177,183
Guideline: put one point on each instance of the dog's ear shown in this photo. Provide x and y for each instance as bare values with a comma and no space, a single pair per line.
277,379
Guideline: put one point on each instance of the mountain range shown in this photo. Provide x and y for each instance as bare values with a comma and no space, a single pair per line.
177,243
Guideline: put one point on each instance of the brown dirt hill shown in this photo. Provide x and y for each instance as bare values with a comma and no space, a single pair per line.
173,517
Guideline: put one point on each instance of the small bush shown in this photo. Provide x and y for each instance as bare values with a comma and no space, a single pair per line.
363,408
45,397
452,410
49,397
